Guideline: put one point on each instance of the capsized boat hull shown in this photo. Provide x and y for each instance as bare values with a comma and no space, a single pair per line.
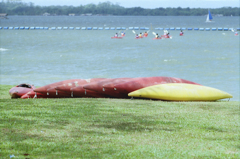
99,87
180,92
44,89
80,92
138,83
66,87
20,90
33,94
62,89
108,88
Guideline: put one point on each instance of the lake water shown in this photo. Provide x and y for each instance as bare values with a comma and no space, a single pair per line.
41,57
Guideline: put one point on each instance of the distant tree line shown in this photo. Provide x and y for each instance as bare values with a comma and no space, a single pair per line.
108,8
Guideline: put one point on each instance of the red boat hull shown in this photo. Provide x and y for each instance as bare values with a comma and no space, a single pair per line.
51,87
79,91
100,87
53,93
33,94
67,86
138,83
20,90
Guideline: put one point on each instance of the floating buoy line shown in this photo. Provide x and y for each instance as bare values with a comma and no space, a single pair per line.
117,28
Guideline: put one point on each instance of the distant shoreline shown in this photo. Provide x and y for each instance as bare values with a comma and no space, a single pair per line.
108,8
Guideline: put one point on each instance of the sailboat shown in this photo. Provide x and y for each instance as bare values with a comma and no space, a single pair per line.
209,17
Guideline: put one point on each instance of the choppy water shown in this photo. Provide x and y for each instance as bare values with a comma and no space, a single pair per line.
42,57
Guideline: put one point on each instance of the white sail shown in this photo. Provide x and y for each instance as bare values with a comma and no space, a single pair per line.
207,20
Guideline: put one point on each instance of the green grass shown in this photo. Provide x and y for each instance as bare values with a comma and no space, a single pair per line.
117,128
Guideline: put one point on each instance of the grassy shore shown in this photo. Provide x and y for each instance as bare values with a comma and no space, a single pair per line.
117,128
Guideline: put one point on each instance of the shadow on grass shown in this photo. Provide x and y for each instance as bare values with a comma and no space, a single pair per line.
14,135
214,107
223,138
136,126
132,123
214,129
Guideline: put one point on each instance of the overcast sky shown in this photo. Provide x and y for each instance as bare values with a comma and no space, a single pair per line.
144,3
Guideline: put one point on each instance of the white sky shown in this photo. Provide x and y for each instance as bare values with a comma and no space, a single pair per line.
143,3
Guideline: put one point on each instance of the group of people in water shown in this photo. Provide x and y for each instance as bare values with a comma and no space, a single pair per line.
166,34
140,35
122,34
137,36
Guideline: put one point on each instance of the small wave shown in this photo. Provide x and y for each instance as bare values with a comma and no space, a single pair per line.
209,51
221,58
2,49
165,60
